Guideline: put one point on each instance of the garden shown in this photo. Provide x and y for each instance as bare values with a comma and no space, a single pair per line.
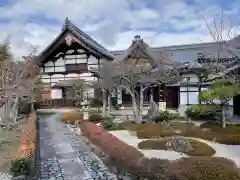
161,144
168,148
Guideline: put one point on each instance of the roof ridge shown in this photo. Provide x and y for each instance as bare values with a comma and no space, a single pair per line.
70,24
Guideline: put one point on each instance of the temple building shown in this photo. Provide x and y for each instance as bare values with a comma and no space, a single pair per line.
73,54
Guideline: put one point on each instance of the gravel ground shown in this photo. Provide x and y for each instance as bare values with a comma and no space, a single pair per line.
5,176
231,152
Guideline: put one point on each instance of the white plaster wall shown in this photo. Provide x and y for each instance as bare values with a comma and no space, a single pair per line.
193,97
119,95
56,93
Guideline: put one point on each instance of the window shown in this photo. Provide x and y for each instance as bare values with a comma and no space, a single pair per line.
60,69
49,69
56,93
78,68
81,60
71,61
193,97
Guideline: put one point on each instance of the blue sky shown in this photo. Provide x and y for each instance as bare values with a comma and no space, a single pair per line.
114,23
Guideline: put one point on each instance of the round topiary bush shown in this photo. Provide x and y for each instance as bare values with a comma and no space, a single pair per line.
20,166
203,168
95,117
71,116
198,148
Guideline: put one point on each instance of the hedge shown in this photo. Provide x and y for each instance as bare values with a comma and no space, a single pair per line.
203,168
25,162
134,162
71,116
229,135
199,148
28,138
116,149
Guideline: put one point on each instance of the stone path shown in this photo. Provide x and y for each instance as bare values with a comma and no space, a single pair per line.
64,156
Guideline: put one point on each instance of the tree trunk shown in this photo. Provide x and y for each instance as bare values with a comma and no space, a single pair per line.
15,110
32,106
104,99
136,112
109,104
223,121
141,98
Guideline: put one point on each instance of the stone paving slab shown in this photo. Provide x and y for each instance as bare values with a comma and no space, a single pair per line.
64,156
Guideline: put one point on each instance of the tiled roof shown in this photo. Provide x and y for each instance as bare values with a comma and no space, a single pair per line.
68,25
187,53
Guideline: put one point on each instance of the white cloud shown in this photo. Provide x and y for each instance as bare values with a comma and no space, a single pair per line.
113,23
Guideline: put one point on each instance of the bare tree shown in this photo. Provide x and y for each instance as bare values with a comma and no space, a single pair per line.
17,83
225,34
121,75
79,91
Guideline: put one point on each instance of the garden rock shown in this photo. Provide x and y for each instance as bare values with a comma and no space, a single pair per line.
178,143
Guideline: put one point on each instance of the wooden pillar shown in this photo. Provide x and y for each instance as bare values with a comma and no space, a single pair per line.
161,93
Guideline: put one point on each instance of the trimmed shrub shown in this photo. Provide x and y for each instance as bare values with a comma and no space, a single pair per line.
28,138
152,145
204,112
26,150
164,116
199,148
203,168
20,166
228,139
95,117
71,116
95,102
150,169
108,123
127,125
118,151
149,131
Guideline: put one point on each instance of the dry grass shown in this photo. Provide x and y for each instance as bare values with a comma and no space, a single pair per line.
9,149
199,148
